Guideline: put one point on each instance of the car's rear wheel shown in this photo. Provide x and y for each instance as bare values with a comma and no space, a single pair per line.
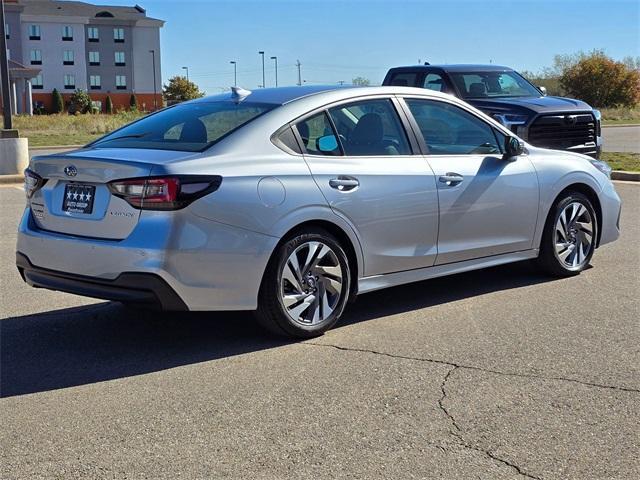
306,285
569,237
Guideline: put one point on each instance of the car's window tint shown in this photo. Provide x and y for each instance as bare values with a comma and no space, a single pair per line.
318,137
404,79
189,127
287,141
493,84
434,81
450,130
370,127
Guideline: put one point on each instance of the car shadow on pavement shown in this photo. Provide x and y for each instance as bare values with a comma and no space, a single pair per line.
106,341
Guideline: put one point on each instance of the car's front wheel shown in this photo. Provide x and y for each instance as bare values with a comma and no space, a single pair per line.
306,285
569,237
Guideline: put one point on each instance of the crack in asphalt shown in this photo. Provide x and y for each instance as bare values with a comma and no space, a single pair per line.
479,369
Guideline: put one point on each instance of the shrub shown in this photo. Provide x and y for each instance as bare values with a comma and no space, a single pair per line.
57,102
601,81
80,102
180,89
109,105
133,102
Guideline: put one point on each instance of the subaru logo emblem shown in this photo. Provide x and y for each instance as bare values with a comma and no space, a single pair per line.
70,171
570,119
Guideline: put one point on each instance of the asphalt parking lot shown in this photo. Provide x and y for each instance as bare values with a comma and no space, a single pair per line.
502,373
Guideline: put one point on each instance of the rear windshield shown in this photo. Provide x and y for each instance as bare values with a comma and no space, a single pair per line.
492,85
191,127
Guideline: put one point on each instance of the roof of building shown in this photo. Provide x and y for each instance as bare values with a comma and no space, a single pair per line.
82,9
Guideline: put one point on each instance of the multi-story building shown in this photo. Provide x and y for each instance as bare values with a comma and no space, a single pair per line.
105,50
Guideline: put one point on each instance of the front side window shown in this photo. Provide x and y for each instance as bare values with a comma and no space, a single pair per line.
189,127
34,32
94,82
434,81
67,33
119,57
92,34
121,82
69,82
36,82
450,130
407,79
318,137
118,35
94,58
493,85
67,57
35,56
370,127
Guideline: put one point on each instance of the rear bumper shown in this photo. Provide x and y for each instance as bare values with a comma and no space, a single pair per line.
144,289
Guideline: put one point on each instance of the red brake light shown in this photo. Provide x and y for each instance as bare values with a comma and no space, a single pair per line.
164,193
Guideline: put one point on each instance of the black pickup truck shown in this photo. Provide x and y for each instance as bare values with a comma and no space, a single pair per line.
501,92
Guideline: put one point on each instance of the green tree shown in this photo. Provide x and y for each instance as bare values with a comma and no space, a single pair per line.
133,102
57,101
601,81
361,82
180,89
109,105
80,102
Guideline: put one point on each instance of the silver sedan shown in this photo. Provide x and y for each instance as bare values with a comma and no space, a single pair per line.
292,201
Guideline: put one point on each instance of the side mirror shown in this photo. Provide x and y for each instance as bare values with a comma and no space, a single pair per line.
543,90
513,147
327,144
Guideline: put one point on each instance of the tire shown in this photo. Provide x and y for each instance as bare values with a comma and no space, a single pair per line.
569,236
295,304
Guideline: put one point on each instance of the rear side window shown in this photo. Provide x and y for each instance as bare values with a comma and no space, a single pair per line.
370,127
449,130
191,127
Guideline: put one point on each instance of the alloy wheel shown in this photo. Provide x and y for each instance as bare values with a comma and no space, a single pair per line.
573,237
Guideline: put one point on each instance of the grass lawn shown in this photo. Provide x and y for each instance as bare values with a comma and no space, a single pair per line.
627,162
620,116
63,129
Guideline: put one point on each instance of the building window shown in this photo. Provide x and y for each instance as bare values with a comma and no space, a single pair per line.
36,57
94,82
6,31
69,82
67,33
34,32
121,82
92,34
36,82
67,58
120,59
94,58
118,35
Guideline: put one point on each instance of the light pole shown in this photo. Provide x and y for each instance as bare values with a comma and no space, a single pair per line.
187,69
262,54
235,72
155,92
4,69
275,59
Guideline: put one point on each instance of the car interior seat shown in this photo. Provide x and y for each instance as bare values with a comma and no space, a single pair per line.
367,137
194,131
478,90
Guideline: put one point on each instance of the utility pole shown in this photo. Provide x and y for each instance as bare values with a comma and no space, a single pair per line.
262,54
4,70
235,72
276,60
187,69
341,82
299,74
155,94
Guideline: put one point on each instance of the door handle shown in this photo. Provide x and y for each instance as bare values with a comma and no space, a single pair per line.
451,179
344,183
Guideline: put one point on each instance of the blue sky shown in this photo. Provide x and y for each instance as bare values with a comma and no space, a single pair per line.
340,40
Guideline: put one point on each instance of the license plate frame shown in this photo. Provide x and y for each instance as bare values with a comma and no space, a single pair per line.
78,198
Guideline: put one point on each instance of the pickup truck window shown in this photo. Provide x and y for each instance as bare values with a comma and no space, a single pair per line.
449,130
492,85
434,81
404,79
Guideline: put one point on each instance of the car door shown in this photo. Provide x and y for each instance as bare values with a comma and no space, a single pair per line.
488,204
362,160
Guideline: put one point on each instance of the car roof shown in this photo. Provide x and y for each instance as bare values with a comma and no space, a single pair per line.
460,67
276,96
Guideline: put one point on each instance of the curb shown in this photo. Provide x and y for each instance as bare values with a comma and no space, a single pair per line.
9,179
622,125
56,147
627,176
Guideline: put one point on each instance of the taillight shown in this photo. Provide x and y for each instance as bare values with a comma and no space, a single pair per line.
164,193
32,182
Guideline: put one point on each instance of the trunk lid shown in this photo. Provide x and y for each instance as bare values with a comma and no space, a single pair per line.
76,200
